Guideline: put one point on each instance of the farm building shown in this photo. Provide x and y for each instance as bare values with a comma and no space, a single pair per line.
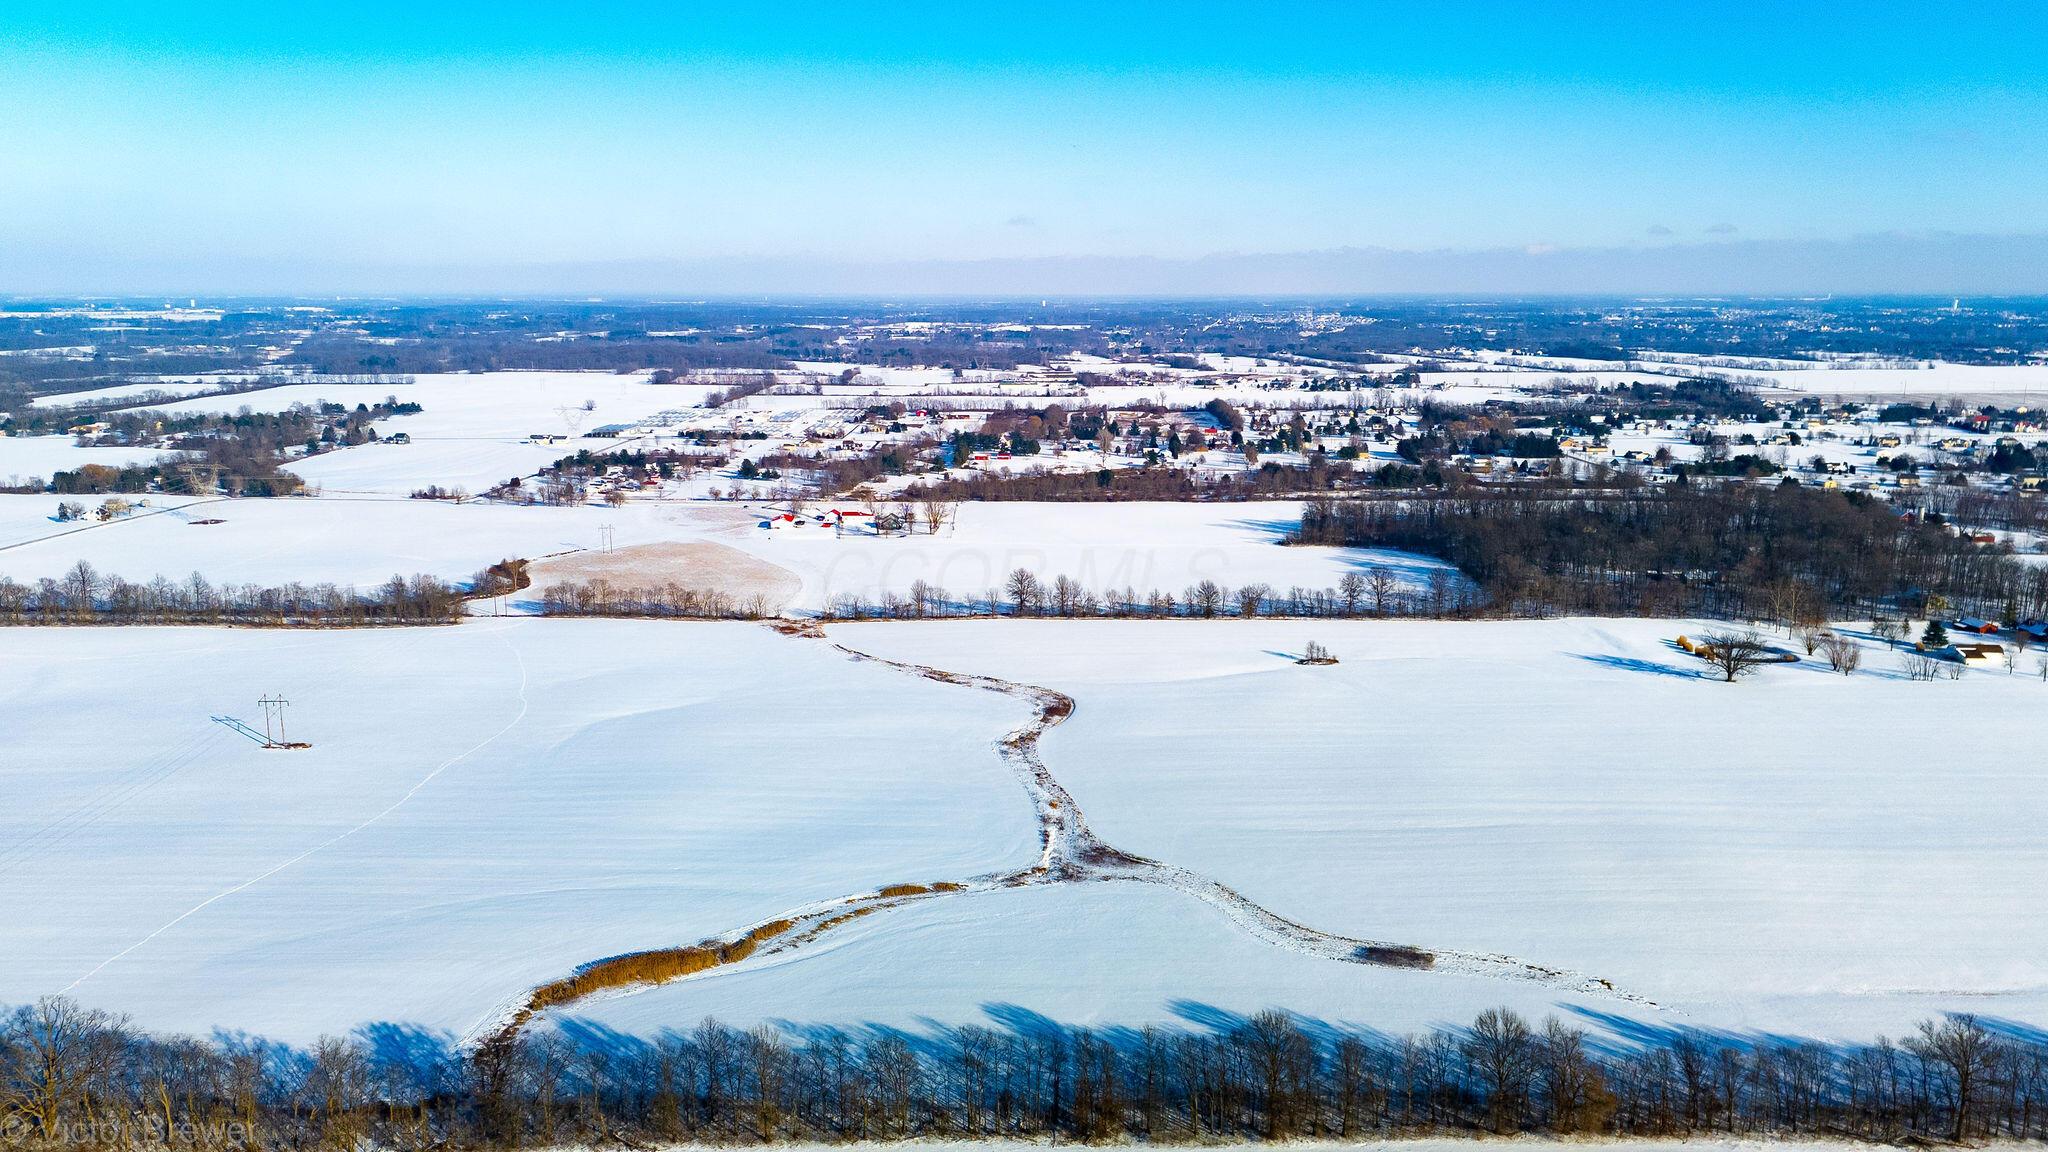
1979,653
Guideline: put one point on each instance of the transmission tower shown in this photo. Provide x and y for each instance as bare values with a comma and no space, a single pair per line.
273,709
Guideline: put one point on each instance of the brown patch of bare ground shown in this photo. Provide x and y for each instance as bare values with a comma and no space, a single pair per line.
660,965
698,565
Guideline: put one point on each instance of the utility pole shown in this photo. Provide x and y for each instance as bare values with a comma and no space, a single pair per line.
273,705
604,532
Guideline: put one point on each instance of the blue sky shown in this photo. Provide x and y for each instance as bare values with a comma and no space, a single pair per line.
227,139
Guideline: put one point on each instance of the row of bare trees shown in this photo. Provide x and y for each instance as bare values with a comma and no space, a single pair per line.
84,596
79,1077
601,597
1374,591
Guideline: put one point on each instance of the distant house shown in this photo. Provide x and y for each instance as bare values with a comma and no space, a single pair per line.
1979,653
1973,624
398,438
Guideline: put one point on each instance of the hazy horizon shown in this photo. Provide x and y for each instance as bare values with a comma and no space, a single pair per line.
1869,266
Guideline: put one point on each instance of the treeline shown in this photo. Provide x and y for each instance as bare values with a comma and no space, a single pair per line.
1373,592
1104,485
600,597
1783,552
493,351
84,596
2005,509
241,455
1376,591
223,466
82,1078
1137,484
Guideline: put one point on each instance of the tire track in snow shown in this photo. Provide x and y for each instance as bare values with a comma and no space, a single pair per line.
1070,853
331,841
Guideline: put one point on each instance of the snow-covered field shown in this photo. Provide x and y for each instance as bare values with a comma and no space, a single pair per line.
140,389
363,541
28,518
23,457
1106,547
471,432
472,427
482,405
484,808
472,465
333,540
1827,855
1078,954
1937,379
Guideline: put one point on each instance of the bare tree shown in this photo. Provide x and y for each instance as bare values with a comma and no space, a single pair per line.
1024,591
1067,595
1736,655
337,1090
1572,1085
1251,599
1843,654
51,1054
1383,586
1275,1050
1968,1053
1502,1050
1351,589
